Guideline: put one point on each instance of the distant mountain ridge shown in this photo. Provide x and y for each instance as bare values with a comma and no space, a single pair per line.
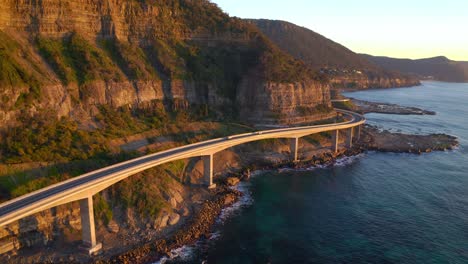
345,68
300,41
438,68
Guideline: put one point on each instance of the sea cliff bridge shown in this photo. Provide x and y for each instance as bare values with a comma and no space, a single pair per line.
82,188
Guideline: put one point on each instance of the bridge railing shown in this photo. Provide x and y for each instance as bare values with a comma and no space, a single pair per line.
238,136
85,186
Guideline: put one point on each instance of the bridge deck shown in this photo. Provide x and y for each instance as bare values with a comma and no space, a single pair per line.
90,183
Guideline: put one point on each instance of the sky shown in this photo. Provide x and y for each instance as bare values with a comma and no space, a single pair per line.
395,28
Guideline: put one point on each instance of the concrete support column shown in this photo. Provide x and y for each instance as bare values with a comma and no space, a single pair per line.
294,147
358,133
208,171
335,140
349,137
88,229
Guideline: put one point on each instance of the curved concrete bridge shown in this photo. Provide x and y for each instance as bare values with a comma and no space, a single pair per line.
82,188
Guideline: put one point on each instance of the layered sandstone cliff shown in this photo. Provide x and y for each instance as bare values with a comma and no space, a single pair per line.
67,58
266,103
156,54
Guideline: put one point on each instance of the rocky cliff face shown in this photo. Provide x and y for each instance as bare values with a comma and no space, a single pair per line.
292,103
63,223
120,18
40,229
67,57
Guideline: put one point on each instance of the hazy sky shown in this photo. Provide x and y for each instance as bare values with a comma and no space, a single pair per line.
396,28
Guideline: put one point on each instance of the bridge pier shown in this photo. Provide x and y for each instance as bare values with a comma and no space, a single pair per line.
335,139
88,230
294,147
358,133
349,137
208,171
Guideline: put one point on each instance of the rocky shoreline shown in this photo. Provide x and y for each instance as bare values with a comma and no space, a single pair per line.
201,224
386,108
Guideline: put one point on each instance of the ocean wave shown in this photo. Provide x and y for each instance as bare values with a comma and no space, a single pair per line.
340,162
183,253
245,200
187,252
344,161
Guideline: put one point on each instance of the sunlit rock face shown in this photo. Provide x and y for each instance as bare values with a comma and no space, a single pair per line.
157,61
284,103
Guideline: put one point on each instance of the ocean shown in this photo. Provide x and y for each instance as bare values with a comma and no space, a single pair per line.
374,208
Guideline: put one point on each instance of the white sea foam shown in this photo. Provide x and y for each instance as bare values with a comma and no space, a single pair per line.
244,201
186,252
183,253
343,161
457,147
215,235
348,160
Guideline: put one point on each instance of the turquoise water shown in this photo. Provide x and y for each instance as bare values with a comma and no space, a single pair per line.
380,208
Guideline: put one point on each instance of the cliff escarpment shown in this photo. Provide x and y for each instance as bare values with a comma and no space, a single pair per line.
77,75
288,103
67,58
346,69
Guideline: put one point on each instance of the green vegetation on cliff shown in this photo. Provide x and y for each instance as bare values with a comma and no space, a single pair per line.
75,59
47,139
191,57
188,49
144,193
223,65
131,60
72,151
105,81
13,74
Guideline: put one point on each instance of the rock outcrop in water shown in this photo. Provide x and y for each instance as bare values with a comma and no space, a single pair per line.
386,108
385,141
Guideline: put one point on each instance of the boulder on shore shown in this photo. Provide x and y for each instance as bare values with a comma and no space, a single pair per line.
232,181
174,219
113,227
